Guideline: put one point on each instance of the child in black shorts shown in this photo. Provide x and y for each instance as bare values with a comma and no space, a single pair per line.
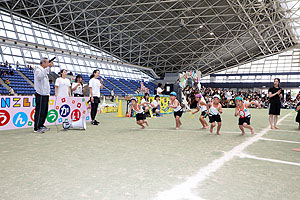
175,104
139,112
215,109
242,110
203,107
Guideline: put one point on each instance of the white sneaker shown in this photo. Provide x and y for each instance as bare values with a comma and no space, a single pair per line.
39,131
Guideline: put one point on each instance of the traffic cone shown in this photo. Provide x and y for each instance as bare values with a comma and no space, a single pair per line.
120,111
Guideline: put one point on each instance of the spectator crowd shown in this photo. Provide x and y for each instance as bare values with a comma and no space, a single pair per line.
228,96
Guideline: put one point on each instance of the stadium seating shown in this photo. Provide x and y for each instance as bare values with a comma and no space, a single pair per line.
128,83
122,87
19,84
3,90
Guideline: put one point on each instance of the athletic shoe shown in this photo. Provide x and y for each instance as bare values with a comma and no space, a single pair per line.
97,122
94,123
44,128
39,131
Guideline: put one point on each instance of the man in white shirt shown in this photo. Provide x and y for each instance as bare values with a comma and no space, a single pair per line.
42,88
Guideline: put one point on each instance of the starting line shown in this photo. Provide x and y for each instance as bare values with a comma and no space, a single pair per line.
184,190
243,155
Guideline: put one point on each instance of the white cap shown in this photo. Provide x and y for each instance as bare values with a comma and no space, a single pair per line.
217,96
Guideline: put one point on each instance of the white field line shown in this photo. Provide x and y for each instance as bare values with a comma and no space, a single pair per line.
283,130
274,140
183,130
184,190
291,124
242,155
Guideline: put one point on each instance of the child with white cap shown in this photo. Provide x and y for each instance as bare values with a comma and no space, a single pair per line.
139,112
215,111
201,105
175,104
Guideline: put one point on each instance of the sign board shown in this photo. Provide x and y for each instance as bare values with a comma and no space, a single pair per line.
18,111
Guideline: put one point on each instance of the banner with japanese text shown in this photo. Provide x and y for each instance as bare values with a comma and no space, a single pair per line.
18,111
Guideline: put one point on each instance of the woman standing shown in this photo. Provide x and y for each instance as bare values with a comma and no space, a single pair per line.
145,99
159,89
95,85
62,85
275,95
78,86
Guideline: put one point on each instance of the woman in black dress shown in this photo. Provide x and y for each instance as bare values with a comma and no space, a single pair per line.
298,115
275,95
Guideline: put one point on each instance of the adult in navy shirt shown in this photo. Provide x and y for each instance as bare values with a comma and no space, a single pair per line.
275,95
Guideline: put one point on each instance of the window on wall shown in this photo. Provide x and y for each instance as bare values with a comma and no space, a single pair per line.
11,34
18,59
6,50
35,54
6,18
24,30
83,69
2,32
19,29
16,51
80,61
69,67
9,59
67,59
8,26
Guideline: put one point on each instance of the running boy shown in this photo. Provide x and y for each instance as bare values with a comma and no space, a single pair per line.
204,110
242,109
175,104
215,109
139,112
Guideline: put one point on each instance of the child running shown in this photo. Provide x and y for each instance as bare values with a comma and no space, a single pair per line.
242,109
139,112
215,109
175,104
204,110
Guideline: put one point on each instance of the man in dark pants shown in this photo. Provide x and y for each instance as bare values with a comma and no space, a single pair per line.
42,88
